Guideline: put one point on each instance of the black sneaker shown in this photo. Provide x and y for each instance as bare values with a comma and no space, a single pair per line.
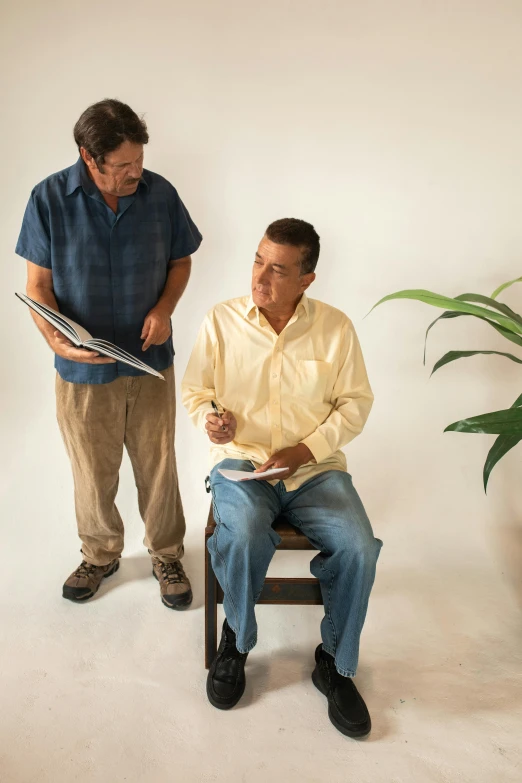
346,708
226,678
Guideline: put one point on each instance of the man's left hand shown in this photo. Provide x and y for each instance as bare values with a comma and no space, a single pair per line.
291,458
156,328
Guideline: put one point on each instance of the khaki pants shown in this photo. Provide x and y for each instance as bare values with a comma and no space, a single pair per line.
96,421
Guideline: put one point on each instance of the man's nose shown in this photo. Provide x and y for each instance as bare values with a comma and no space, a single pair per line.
136,171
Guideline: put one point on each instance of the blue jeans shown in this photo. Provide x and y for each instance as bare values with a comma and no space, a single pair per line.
327,509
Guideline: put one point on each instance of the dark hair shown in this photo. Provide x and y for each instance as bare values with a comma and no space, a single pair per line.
105,125
298,233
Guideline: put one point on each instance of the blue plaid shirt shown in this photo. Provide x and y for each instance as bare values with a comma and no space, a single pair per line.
108,269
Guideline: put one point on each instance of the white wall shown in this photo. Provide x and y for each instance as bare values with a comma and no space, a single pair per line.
395,128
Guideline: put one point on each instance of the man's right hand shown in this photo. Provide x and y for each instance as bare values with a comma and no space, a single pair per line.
221,429
64,348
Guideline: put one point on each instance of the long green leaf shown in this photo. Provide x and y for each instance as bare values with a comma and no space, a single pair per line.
451,356
514,338
447,314
499,422
501,446
503,287
446,303
490,302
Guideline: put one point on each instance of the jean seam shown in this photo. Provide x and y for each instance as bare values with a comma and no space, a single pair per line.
222,559
329,590
250,646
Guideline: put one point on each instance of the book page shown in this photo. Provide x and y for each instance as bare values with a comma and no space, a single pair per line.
112,351
73,331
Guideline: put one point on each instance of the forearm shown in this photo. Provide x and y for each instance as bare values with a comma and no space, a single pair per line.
341,427
177,279
198,402
352,400
42,293
198,387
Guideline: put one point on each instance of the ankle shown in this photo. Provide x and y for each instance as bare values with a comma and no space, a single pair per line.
327,657
229,631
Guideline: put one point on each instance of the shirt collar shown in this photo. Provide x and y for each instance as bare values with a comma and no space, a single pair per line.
304,305
78,177
74,178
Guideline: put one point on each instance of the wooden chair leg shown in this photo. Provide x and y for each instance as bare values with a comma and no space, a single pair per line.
210,611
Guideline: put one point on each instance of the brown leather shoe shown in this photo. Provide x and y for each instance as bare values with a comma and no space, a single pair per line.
85,581
175,587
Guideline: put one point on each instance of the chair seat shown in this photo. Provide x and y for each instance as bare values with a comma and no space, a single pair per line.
291,537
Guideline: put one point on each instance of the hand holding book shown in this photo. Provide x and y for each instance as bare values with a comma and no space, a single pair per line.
82,342
64,348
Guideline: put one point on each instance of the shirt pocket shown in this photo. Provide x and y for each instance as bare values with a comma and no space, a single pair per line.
152,241
311,379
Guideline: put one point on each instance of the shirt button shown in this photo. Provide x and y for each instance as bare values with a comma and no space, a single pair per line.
274,375
276,426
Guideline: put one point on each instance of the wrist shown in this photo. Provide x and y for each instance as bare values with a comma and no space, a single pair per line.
305,455
162,309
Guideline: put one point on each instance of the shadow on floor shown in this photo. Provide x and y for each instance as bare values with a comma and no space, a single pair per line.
136,567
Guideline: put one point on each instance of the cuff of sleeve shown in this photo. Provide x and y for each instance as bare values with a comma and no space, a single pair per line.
318,445
33,257
200,417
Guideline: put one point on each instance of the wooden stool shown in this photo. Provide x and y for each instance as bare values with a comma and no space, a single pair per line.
295,590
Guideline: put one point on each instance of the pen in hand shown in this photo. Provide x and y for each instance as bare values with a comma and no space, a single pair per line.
218,414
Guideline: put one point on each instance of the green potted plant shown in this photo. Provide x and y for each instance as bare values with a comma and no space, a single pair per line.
507,424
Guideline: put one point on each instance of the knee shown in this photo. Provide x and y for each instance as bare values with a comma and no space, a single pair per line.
250,531
360,547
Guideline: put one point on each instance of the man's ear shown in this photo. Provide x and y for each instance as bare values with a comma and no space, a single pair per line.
307,280
88,159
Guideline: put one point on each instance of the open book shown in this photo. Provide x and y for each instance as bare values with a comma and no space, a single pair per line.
81,338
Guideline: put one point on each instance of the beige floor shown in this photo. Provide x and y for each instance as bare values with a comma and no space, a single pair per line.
114,690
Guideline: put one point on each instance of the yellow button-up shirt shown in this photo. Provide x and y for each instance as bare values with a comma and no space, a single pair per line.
305,385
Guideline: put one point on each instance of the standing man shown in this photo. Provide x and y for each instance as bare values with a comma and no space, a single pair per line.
108,243
289,377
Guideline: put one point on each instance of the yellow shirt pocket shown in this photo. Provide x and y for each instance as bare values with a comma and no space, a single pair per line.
311,379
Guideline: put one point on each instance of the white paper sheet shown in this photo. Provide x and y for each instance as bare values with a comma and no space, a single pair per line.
245,475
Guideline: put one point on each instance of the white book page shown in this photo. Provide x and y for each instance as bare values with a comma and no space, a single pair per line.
113,352
76,333
245,475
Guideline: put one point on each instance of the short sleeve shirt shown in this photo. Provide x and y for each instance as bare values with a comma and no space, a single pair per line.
108,269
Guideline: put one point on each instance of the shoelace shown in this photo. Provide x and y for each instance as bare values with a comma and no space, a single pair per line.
231,652
173,573
85,569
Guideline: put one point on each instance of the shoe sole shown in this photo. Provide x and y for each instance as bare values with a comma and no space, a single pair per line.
184,602
93,593
219,705
347,732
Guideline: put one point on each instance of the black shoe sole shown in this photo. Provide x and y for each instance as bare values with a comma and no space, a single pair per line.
339,726
220,705
183,603
70,595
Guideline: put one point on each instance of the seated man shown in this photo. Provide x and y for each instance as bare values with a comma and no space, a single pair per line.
288,380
